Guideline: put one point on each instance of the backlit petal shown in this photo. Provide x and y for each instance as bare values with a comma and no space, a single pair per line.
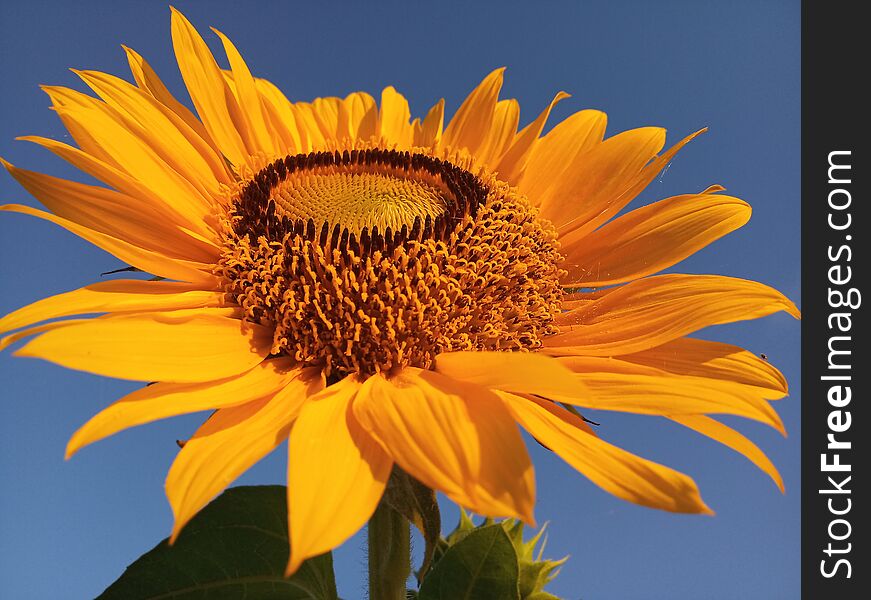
652,311
454,437
114,296
650,239
471,122
146,260
523,372
228,444
688,356
604,206
336,474
596,180
556,151
395,118
212,98
431,127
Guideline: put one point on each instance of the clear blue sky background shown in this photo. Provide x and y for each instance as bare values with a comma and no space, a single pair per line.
67,529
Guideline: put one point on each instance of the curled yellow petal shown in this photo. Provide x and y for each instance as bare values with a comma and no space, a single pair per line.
729,437
161,400
513,162
614,470
250,107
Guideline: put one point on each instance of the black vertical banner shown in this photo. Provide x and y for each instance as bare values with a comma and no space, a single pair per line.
835,370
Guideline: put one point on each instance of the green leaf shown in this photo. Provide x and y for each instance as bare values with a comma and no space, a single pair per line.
481,566
236,547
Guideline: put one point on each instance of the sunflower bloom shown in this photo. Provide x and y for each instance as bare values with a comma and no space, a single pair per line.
382,291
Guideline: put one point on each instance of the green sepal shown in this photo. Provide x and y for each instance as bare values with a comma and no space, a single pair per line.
482,565
534,572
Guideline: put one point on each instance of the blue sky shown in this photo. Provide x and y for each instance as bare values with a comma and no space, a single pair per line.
67,529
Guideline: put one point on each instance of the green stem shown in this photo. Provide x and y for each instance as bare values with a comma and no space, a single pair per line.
389,554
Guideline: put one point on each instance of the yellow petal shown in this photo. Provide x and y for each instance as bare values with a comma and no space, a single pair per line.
209,92
311,136
163,130
114,296
147,80
362,115
513,163
650,239
596,180
249,98
146,260
180,346
651,393
228,444
64,101
700,358
162,400
471,122
326,114
336,474
139,159
522,372
506,117
605,207
10,339
652,311
431,128
280,115
114,214
454,437
556,151
117,179
734,440
395,118
616,471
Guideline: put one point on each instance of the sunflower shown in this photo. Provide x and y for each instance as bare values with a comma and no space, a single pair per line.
386,292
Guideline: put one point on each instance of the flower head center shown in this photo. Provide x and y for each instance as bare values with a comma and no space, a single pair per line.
362,198
369,260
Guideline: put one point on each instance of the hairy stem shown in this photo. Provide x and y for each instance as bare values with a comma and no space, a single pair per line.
389,554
